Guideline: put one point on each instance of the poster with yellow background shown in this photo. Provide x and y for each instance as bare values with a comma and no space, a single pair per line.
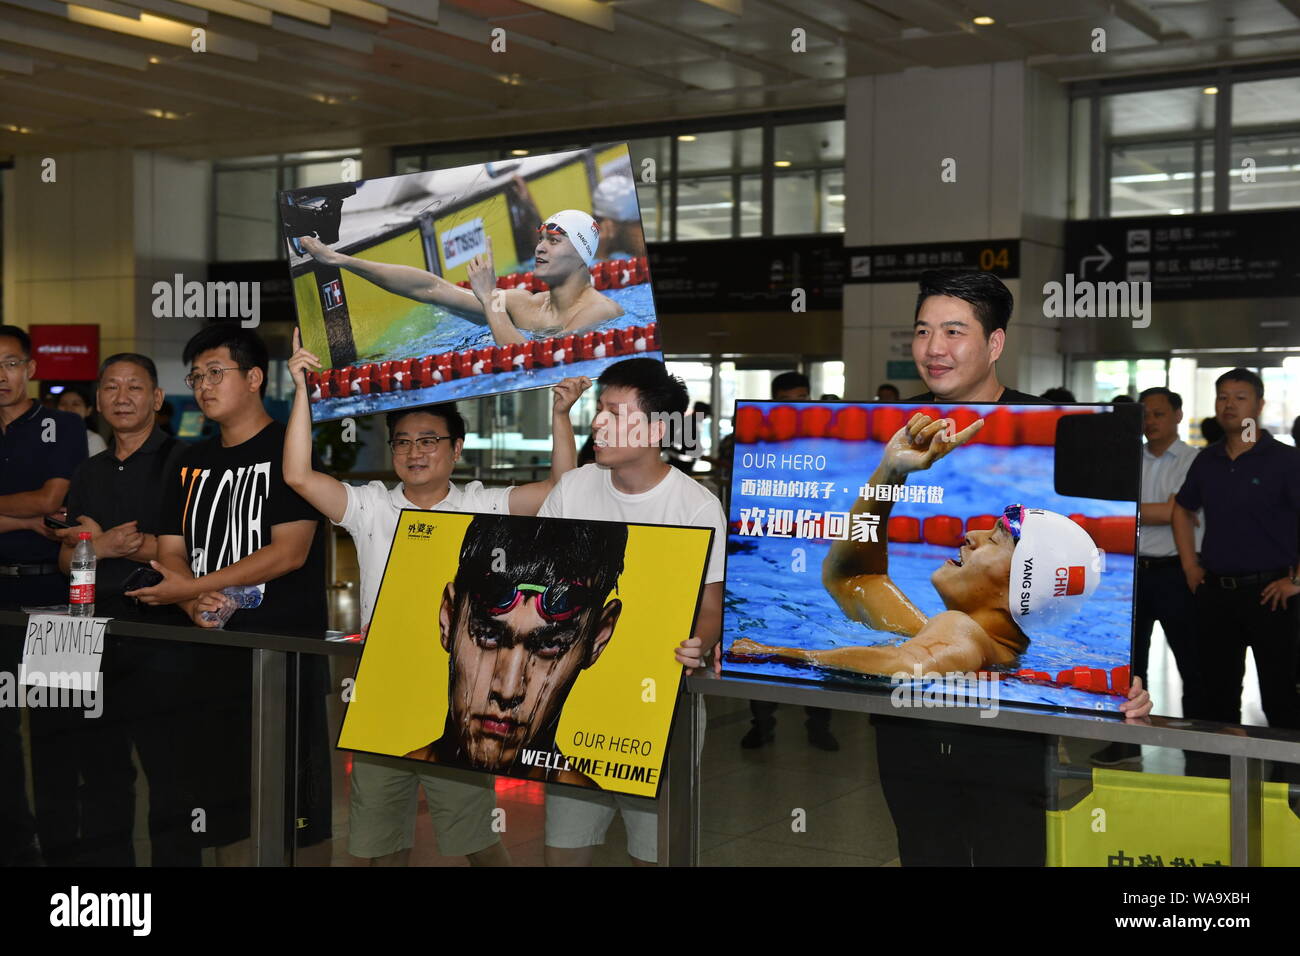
537,648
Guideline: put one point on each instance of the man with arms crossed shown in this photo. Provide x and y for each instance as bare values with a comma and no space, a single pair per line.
426,443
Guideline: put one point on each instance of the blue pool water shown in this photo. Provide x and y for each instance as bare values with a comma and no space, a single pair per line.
430,330
768,602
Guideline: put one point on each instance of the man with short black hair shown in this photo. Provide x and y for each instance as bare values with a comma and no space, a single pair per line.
39,449
117,495
959,795
630,482
231,520
887,393
426,442
958,334
1245,579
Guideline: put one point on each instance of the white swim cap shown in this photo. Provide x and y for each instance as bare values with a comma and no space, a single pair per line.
615,198
1055,568
580,229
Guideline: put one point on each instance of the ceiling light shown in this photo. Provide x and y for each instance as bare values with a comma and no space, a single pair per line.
1210,90
519,152
688,138
782,163
154,60
984,21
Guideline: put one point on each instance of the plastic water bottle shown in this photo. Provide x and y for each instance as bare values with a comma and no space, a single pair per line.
244,596
234,598
81,593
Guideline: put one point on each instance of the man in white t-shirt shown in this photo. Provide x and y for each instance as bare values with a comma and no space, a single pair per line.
631,482
426,443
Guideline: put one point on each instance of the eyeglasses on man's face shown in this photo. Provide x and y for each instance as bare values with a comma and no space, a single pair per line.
13,364
212,376
404,446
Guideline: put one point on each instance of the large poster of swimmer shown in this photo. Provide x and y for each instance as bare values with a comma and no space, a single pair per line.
537,648
941,548
459,283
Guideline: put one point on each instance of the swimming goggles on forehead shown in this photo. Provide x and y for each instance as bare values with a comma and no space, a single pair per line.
550,229
1013,516
560,601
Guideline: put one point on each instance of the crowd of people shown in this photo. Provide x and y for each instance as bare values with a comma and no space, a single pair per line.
247,508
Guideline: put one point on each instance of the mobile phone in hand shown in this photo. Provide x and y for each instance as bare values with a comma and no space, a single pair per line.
58,524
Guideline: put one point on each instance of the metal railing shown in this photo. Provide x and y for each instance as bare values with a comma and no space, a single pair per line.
679,804
1246,748
270,771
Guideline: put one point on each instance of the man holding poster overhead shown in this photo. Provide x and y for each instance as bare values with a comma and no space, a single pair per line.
631,482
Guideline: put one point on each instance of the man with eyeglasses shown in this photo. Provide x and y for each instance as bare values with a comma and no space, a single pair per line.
39,448
565,251
426,442
230,519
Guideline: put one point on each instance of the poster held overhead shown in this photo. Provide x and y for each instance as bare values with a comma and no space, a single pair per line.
467,282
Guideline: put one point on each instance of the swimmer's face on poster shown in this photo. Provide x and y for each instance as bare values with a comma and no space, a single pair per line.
548,654
457,283
913,542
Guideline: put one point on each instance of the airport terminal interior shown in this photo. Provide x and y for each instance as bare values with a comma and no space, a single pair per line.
765,183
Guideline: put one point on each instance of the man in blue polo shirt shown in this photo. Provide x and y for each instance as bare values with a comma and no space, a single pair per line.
1245,582
39,449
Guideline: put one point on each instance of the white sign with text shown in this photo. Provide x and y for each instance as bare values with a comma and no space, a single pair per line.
60,650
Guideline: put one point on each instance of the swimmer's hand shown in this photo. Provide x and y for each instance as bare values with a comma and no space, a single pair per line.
483,279
923,441
744,649
319,251
1138,706
568,391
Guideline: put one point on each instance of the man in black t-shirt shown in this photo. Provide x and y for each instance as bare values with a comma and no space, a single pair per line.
230,520
962,795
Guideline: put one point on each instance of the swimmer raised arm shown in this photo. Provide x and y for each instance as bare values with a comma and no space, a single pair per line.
565,252
570,303
856,573
418,284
